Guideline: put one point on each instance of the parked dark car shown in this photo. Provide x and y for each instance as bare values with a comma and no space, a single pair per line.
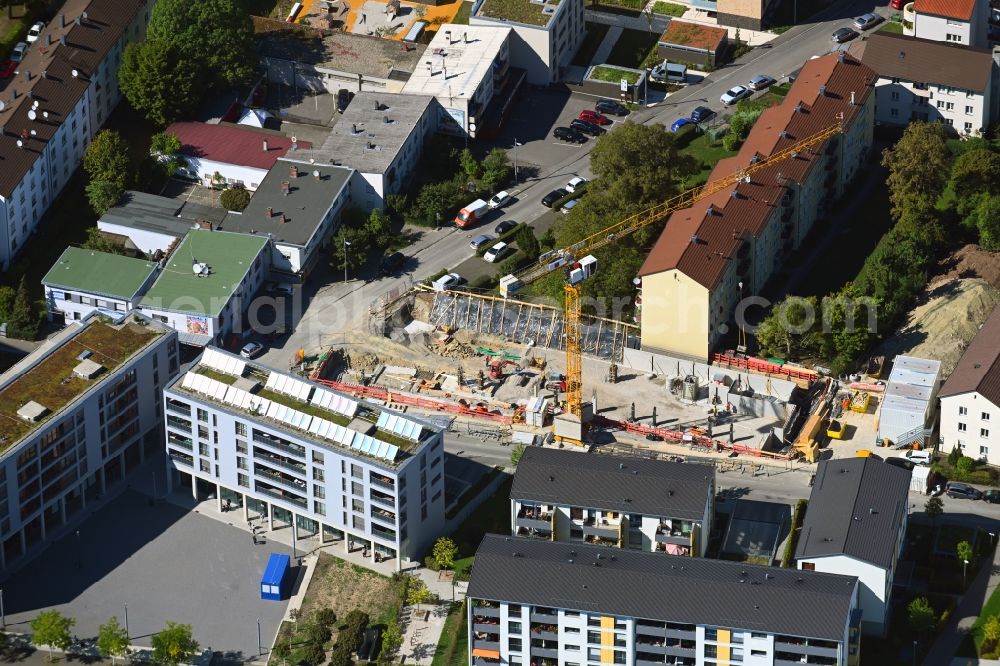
611,106
992,496
586,127
391,263
568,134
344,98
371,645
504,227
701,114
553,196
900,462
842,35
962,491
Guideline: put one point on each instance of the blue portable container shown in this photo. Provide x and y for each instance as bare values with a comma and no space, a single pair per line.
274,582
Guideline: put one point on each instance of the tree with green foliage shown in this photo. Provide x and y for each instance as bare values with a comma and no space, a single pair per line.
378,226
934,507
51,628
103,195
435,203
235,198
392,640
516,453
920,615
174,644
340,657
985,219
470,165
310,654
107,158
792,328
639,163
23,321
99,242
955,454
355,254
963,549
215,36
314,632
163,143
160,81
112,639
991,631
417,592
445,552
851,317
974,172
325,617
965,466
7,297
496,169
527,243
352,633
918,166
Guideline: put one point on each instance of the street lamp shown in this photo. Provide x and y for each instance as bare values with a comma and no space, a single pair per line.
79,551
346,244
127,633
914,652
965,565
260,648
516,144
3,616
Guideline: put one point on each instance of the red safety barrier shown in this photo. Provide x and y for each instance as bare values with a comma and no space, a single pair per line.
763,367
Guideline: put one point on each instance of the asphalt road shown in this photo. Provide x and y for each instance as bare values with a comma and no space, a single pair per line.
328,305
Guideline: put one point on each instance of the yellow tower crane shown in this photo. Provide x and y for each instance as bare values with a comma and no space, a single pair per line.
572,255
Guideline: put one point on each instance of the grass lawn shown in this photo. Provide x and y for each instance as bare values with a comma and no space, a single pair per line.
707,153
462,17
892,26
13,30
453,645
591,42
950,535
614,75
669,8
632,48
990,608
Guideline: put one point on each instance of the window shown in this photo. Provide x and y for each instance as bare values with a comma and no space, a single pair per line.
962,411
949,37
985,416
514,644
317,457
319,491
893,113
809,566
894,96
320,508
968,128
984,432
243,480
961,427
984,451
594,654
711,634
241,429
318,474
968,110
594,637
203,415
572,648
711,651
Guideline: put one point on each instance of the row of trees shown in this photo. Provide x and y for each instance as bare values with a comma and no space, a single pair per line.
362,235
173,645
110,171
19,312
191,48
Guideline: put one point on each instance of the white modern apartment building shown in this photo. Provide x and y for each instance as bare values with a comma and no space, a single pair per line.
856,526
60,96
76,416
544,603
635,503
301,454
546,33
932,81
970,399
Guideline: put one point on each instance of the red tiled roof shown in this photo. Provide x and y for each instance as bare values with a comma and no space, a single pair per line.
693,35
979,368
232,145
700,244
956,9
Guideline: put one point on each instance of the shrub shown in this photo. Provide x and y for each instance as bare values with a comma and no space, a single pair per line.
235,198
788,557
965,465
731,142
507,238
431,563
685,135
325,617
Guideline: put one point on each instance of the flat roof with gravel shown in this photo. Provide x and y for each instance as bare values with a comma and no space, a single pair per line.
228,258
99,273
346,52
460,57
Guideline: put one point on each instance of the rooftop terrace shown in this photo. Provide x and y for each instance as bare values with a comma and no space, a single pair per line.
52,382
304,408
519,11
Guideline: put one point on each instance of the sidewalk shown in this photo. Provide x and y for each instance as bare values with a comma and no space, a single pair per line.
965,614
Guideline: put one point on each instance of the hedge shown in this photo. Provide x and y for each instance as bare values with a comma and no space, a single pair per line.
788,557
507,238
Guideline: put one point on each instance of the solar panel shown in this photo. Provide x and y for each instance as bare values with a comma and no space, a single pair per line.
188,379
390,455
272,380
383,418
216,360
379,452
399,425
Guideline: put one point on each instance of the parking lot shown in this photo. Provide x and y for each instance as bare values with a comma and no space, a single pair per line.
166,563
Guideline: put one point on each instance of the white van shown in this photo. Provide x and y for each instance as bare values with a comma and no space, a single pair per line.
669,72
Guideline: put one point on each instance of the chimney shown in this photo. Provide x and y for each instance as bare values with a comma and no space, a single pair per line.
48,39
27,77
840,57
447,34
465,37
265,145
270,212
78,20
62,39
62,20
285,187
204,224
852,98
85,16
281,218
293,171
822,91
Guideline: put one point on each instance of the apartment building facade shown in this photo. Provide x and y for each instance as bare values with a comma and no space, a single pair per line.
553,604
962,22
856,526
725,247
78,414
293,451
932,81
970,399
546,33
648,505
64,90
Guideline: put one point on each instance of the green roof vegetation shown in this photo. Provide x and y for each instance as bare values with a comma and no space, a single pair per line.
51,382
229,380
304,407
228,256
520,11
99,272
613,74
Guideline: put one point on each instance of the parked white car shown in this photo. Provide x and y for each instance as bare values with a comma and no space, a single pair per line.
496,252
920,457
575,183
734,94
499,200
35,32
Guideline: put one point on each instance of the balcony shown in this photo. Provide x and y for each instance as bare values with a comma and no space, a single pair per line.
673,537
544,524
486,624
262,456
543,617
545,632
180,442
486,611
382,498
278,495
909,17
181,458
534,533
795,649
383,482
289,448
478,644
174,408
292,484
180,424
601,528
383,516
388,535
600,541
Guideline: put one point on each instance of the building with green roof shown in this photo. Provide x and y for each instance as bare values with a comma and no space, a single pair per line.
205,283
83,280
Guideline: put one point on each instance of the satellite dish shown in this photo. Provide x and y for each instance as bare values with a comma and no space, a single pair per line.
3,105
295,139
33,133
34,104
316,174
31,114
45,114
20,144
75,73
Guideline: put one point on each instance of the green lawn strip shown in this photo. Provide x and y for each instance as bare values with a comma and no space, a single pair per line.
462,17
453,646
632,48
990,608
613,74
892,27
707,153
669,9
591,42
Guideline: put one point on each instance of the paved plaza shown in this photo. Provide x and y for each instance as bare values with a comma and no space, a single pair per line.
166,563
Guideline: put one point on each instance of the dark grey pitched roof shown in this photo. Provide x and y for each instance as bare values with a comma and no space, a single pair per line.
926,61
668,588
979,368
855,508
598,481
